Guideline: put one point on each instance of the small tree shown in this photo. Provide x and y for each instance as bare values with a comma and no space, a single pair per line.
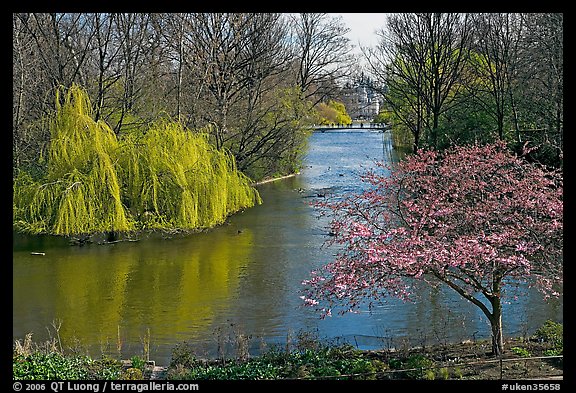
333,112
80,192
477,219
164,176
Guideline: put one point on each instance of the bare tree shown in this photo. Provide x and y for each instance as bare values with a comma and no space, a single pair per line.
541,78
420,61
322,53
172,28
264,75
23,61
229,55
397,66
106,52
55,36
214,43
133,35
447,46
496,53
47,52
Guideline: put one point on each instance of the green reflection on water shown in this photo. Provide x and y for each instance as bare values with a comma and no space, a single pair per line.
173,287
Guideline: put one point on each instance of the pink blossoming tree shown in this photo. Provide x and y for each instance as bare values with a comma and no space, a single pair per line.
476,219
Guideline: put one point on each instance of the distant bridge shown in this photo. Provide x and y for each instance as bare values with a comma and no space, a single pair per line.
354,126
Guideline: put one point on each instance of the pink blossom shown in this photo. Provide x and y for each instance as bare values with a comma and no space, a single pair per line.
468,218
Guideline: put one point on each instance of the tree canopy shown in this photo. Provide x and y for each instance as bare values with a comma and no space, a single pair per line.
333,112
477,219
164,176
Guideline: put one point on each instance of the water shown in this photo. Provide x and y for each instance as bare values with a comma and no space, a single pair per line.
242,278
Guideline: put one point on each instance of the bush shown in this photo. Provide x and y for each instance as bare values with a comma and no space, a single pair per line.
49,366
551,332
458,373
443,373
416,361
132,374
322,362
523,352
54,365
105,368
138,362
554,352
183,356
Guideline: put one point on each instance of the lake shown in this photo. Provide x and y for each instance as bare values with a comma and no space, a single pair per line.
242,279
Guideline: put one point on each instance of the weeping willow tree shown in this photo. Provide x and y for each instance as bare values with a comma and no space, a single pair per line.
80,192
166,177
176,179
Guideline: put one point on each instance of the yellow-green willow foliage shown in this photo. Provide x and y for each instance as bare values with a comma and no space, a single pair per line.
176,179
81,191
166,177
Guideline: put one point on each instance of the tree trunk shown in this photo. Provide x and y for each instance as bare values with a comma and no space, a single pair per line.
434,131
500,124
497,339
496,323
416,141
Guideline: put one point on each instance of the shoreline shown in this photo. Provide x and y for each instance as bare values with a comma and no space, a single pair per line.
275,179
524,358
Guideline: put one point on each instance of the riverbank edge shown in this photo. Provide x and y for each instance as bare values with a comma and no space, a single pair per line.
273,179
137,235
524,358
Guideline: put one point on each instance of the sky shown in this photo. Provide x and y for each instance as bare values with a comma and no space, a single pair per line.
363,28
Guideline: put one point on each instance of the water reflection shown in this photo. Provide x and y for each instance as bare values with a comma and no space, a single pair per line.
170,286
243,277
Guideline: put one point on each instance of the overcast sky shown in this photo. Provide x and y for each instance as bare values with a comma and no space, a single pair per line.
363,28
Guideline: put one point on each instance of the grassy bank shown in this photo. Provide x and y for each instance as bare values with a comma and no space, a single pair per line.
537,356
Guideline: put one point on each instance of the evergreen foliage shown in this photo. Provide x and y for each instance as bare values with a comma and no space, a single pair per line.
168,176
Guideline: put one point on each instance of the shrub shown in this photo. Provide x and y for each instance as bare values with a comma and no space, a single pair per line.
551,332
443,373
55,365
458,373
419,362
183,356
323,362
523,352
554,352
416,361
105,368
49,366
138,362
132,374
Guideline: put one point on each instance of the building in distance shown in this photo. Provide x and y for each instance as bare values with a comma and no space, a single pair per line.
362,101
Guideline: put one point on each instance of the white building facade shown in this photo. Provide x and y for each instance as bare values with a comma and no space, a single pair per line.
362,102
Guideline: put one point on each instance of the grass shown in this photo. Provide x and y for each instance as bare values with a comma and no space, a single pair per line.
303,357
325,362
469,361
46,361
